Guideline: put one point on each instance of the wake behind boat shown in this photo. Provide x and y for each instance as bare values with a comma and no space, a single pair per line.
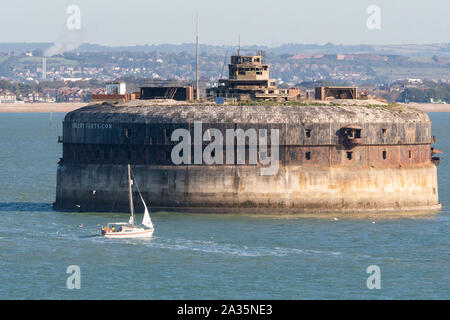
130,230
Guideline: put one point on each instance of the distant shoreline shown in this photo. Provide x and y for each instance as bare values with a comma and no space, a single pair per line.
67,107
430,107
40,107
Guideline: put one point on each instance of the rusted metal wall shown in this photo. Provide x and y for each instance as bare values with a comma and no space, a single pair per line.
143,143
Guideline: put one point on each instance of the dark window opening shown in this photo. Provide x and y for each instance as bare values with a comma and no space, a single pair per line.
384,131
410,154
353,133
349,155
308,133
384,155
308,156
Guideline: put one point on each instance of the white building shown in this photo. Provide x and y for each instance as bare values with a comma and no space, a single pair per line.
116,88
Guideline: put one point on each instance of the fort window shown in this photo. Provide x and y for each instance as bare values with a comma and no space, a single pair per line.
349,155
353,133
308,133
384,155
410,154
308,156
293,155
262,156
384,132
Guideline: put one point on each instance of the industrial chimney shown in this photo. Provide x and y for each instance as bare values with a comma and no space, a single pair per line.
44,68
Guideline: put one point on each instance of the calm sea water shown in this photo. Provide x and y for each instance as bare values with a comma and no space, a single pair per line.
205,256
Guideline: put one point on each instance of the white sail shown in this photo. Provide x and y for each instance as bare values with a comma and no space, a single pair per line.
131,221
146,221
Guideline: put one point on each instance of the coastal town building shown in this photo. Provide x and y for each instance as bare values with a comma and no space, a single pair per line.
7,96
325,93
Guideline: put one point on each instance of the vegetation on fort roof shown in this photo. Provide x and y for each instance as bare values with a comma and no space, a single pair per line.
314,103
276,103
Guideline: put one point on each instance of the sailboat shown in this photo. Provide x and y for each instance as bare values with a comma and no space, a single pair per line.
130,230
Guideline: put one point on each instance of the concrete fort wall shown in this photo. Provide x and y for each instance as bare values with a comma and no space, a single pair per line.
386,167
243,189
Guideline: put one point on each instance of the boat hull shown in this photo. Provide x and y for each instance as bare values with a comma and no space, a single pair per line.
129,235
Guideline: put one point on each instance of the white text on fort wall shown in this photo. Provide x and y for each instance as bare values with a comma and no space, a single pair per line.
82,125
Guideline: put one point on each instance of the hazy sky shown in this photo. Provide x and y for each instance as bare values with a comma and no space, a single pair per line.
263,22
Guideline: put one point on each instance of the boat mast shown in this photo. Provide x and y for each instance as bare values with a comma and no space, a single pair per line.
130,193
197,91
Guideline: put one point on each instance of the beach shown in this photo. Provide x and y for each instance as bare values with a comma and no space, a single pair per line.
431,107
40,107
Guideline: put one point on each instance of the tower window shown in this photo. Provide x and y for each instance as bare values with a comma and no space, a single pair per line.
308,133
349,155
410,154
384,155
308,156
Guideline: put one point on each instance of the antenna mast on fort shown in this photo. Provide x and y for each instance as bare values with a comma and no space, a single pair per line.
197,91
239,45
